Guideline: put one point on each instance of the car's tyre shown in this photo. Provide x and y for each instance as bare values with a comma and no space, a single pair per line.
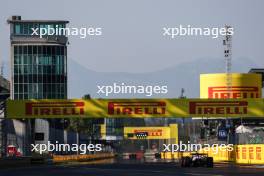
183,162
188,161
210,162
196,163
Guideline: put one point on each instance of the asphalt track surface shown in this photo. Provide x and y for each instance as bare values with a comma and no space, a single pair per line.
134,169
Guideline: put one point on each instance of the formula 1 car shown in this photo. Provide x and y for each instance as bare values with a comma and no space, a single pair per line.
197,160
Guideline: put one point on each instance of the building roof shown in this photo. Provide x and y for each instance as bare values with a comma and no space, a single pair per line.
17,19
255,70
37,21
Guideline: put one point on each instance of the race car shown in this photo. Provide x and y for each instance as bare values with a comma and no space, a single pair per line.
197,160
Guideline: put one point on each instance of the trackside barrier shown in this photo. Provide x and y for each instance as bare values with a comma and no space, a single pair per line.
219,154
242,154
170,155
250,154
88,157
11,162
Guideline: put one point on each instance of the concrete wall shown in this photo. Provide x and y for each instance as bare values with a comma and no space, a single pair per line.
17,133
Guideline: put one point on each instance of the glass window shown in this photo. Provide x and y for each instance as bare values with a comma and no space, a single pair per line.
57,50
25,69
62,50
36,25
44,50
26,78
35,78
35,70
40,70
62,69
48,69
40,80
53,50
15,69
53,88
16,59
20,49
40,96
29,67
30,49
20,60
25,49
40,48
16,79
25,88
40,88
16,50
25,29
41,26
49,50
21,88
16,88
34,88
20,96
62,88
30,59
53,95
34,59
20,78
30,88
35,50
30,96
30,26
20,69
25,59
25,96
17,28
30,78
35,95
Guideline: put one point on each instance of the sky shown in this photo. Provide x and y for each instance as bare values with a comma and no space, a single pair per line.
132,39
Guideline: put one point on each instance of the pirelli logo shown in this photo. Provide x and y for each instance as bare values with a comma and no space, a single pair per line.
136,108
154,132
233,92
54,108
218,107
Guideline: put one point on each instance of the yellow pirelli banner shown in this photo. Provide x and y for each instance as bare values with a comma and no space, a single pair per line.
244,85
135,108
147,132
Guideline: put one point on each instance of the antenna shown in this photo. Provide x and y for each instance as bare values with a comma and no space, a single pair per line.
227,42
